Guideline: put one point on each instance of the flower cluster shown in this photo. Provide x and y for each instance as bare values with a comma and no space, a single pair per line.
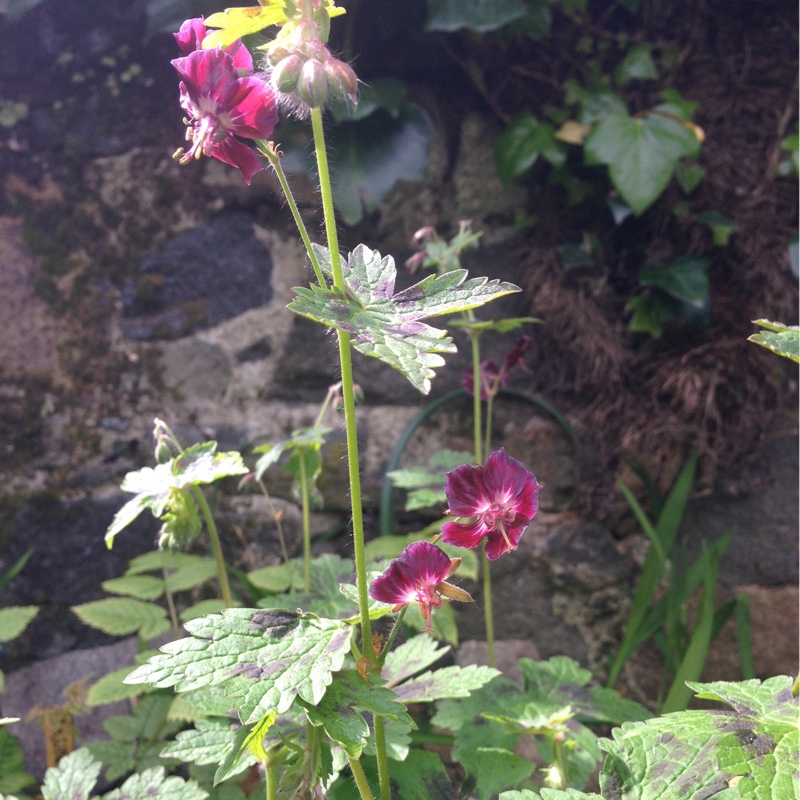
302,67
493,378
223,100
501,498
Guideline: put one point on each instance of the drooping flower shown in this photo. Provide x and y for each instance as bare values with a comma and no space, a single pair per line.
492,377
221,104
501,497
419,575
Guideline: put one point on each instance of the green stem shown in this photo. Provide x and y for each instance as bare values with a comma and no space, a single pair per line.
271,779
277,517
348,395
173,614
267,148
487,446
476,395
392,634
216,547
306,503
383,761
360,779
487,606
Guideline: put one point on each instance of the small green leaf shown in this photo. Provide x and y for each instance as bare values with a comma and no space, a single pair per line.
476,15
111,689
689,174
685,279
153,783
388,325
73,778
247,747
427,483
142,587
13,777
637,65
265,658
119,616
648,315
783,340
411,657
14,620
494,769
446,682
525,139
721,226
336,712
641,153
207,743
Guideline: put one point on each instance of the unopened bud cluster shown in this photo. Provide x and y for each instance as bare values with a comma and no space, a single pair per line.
303,66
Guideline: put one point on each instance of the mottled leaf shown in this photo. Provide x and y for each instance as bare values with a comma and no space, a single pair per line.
388,325
446,682
73,778
265,658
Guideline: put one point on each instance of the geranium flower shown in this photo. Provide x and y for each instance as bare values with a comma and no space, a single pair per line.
418,575
501,496
492,377
221,105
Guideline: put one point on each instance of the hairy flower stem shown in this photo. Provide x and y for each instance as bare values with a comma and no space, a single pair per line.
349,404
271,779
360,779
269,150
478,444
213,535
306,503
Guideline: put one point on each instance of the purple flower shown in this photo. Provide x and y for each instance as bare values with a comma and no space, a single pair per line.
501,496
492,378
418,575
222,104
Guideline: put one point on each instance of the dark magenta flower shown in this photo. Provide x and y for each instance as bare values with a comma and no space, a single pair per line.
419,575
501,496
492,378
221,104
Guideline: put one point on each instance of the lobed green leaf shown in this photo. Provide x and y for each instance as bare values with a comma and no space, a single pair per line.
265,658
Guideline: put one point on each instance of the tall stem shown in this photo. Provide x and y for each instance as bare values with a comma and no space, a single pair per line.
348,395
213,536
476,395
383,761
306,502
487,606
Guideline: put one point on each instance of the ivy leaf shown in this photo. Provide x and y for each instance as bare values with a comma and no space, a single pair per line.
74,777
122,616
636,66
154,487
752,745
784,340
265,658
641,153
685,279
477,15
521,144
336,712
389,326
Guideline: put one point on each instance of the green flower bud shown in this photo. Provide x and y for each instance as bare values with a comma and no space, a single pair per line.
342,81
313,84
287,73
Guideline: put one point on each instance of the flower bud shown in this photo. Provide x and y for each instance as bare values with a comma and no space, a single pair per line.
313,84
276,52
342,81
287,73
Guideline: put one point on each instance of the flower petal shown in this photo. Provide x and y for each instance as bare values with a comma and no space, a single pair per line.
464,534
504,477
466,491
231,151
496,544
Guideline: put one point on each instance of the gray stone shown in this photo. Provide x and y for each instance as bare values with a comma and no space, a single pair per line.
43,684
